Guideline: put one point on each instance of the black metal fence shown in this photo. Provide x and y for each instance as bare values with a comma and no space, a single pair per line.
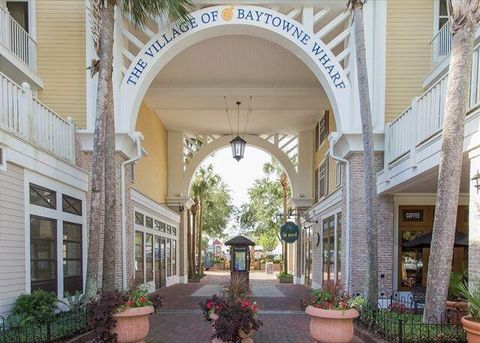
65,325
401,320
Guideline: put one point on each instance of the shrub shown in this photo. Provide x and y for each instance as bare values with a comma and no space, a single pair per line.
100,314
473,297
454,293
38,306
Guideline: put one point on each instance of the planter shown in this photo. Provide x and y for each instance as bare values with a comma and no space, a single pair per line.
331,326
472,327
132,324
218,266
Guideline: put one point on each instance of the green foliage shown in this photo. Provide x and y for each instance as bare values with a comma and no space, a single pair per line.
38,306
140,11
74,303
455,281
284,277
334,297
473,297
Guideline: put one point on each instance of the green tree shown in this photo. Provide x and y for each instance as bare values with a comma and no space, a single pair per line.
214,205
104,159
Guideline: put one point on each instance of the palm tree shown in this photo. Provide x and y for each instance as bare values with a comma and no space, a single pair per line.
464,17
274,167
104,160
356,7
204,180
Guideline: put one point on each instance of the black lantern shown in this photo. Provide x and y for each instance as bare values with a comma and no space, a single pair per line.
476,180
238,143
238,147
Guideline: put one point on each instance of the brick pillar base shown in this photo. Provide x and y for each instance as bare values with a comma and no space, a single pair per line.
358,244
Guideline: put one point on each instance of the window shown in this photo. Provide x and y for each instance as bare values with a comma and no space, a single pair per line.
149,222
329,249
138,256
338,267
44,197
43,253
442,14
323,179
3,162
169,257
149,258
174,231
174,257
157,225
71,205
72,258
19,11
169,229
338,174
139,218
162,227
317,136
322,129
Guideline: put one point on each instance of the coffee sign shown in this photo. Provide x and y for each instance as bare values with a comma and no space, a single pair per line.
415,215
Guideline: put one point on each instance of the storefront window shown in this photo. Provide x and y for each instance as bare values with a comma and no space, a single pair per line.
339,247
329,249
72,258
174,255
149,257
139,256
169,257
43,254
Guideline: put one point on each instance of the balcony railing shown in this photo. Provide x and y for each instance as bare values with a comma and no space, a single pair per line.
423,119
16,39
441,44
27,117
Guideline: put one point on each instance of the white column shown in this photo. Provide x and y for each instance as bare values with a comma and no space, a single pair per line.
474,219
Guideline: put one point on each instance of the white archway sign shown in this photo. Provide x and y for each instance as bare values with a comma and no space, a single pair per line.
230,20
254,141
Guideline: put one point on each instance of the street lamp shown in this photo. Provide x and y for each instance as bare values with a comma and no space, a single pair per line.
476,180
238,143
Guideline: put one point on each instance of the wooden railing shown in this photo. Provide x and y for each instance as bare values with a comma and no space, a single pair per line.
27,117
16,39
423,119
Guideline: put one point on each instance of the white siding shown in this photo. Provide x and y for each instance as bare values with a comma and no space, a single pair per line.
12,236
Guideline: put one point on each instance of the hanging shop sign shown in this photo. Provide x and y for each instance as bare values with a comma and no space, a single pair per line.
412,215
289,232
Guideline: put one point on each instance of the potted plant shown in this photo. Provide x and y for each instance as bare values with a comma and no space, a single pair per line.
122,317
332,313
218,263
455,299
471,322
284,277
233,318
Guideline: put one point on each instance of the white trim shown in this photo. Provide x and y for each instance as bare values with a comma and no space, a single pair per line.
60,217
155,209
3,157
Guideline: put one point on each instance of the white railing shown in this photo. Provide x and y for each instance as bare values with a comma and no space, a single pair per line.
441,44
30,119
16,39
423,119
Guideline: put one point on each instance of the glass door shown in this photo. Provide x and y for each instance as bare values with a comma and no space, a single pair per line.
158,267
163,274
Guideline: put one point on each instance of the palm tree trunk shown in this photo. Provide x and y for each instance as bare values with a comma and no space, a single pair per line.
106,65
194,237
200,228
441,251
368,154
98,159
189,245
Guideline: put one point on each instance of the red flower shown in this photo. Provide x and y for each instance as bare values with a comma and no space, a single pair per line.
343,305
254,308
143,300
246,303
210,304
129,303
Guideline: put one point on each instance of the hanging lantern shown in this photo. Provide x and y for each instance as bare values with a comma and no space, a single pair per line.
238,147
238,143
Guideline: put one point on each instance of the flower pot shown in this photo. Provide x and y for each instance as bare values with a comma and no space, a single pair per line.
331,326
132,324
472,327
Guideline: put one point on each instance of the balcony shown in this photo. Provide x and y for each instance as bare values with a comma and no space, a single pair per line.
413,139
441,45
25,117
18,50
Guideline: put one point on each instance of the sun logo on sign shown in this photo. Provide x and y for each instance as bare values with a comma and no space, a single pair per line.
227,13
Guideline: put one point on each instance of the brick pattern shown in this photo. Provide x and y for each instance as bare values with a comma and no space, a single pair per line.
358,242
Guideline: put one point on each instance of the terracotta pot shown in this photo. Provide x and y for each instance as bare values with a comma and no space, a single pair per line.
331,326
132,324
472,327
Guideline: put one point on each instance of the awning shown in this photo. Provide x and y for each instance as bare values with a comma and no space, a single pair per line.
424,241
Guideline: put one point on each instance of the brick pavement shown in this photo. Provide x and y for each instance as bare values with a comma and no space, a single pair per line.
180,319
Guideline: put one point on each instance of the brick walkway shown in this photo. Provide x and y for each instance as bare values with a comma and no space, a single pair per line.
180,319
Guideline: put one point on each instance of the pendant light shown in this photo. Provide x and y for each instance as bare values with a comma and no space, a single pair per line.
238,143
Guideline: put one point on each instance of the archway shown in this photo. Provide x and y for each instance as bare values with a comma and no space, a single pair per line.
229,20
252,140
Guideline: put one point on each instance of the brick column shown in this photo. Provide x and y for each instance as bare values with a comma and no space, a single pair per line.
474,220
358,244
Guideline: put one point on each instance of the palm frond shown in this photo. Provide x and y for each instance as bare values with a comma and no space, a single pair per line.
141,11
